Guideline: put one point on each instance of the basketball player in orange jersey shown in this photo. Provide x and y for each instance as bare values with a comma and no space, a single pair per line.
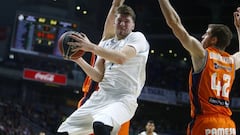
109,30
212,74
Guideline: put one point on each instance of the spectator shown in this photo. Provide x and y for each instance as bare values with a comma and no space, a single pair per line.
149,128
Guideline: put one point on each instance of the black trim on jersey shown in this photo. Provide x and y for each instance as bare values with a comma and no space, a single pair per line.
196,76
195,85
220,102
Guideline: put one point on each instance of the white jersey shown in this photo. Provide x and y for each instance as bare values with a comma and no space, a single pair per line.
116,100
145,133
127,78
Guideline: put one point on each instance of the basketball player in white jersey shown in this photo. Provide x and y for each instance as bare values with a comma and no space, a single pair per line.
120,69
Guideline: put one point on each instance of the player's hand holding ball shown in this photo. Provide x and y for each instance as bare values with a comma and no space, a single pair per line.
69,52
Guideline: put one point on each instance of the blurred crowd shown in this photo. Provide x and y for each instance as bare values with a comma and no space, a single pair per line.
35,119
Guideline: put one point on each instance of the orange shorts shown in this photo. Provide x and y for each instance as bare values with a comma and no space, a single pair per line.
212,125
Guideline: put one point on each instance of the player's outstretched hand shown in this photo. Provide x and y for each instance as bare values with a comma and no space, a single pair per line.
236,15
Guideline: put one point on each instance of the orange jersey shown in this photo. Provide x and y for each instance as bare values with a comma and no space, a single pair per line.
210,87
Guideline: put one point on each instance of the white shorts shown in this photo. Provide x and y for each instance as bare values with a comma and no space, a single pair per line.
100,107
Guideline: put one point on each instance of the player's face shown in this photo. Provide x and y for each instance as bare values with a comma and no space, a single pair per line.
124,25
207,39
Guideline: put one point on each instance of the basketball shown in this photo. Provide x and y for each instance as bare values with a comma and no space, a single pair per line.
65,49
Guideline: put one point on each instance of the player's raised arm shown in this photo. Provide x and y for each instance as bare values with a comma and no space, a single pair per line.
236,56
173,20
108,31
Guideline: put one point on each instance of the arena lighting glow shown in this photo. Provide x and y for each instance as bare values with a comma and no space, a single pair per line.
152,51
84,12
78,8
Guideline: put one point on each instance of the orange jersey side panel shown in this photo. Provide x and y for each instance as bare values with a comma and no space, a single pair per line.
210,88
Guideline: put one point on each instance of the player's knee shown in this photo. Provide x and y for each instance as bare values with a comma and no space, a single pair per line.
100,129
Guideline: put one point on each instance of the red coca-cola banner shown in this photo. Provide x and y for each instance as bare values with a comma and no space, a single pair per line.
42,76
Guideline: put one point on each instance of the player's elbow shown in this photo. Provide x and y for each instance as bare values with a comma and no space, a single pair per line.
170,23
98,78
121,59
173,23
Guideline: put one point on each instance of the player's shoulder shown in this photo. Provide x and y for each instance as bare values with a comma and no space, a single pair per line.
139,33
136,35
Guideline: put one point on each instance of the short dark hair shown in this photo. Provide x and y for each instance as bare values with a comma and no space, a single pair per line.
222,33
150,121
126,10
